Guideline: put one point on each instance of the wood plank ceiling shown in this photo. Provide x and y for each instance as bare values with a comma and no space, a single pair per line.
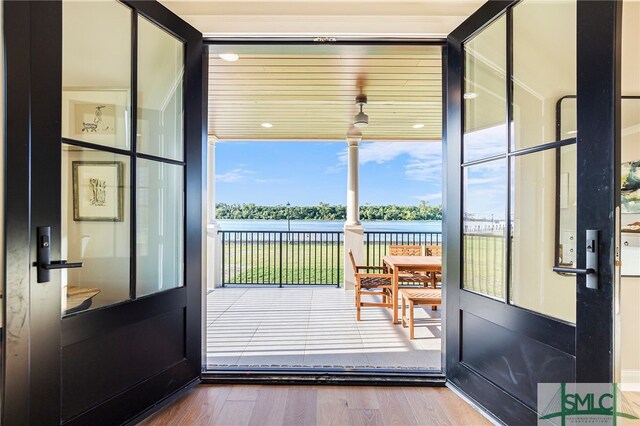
307,92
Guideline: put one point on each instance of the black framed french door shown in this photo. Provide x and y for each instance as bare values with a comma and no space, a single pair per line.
105,119
530,232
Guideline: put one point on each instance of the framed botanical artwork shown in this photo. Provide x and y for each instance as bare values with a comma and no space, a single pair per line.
99,116
97,191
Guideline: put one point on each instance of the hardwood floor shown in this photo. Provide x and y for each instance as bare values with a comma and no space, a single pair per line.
241,405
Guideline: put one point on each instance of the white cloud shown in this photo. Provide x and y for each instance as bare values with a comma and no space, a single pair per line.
272,181
485,142
335,169
238,175
427,170
424,158
241,175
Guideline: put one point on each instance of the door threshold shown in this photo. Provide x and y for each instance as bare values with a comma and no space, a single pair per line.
324,376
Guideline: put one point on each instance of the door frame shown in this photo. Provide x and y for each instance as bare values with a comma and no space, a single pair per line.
301,376
32,353
591,341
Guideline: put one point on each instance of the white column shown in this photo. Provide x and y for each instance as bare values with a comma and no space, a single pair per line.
214,243
353,213
353,229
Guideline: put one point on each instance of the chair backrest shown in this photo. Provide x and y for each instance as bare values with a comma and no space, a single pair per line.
434,250
405,250
353,262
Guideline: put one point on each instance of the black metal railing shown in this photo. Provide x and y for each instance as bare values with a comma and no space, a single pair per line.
377,243
484,268
282,258
302,258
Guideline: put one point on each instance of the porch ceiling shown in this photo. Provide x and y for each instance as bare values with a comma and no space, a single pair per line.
307,92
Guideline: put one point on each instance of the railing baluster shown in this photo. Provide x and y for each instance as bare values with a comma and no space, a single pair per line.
280,279
222,254
315,257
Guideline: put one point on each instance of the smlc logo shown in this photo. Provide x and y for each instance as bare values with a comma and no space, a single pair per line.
583,403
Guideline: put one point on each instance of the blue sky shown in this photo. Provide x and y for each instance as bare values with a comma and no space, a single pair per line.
306,173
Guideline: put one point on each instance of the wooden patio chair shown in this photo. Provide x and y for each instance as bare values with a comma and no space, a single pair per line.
409,277
435,250
405,250
371,284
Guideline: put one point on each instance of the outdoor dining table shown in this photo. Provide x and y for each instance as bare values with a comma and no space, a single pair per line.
397,264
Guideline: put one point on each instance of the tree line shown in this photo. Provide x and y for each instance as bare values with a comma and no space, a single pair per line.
324,211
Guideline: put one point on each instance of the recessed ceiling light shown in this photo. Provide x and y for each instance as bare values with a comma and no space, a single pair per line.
267,125
470,95
418,126
229,57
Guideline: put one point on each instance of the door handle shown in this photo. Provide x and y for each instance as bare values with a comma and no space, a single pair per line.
577,271
43,262
62,264
591,271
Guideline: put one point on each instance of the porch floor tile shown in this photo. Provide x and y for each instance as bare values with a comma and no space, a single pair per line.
311,327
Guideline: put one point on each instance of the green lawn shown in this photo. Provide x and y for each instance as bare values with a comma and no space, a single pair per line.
296,263
484,264
322,263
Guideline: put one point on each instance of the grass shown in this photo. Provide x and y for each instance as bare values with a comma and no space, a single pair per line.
484,264
323,263
297,263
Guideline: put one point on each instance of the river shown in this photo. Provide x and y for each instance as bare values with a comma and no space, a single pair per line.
330,225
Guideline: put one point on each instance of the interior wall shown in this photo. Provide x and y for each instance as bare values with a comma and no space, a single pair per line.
629,314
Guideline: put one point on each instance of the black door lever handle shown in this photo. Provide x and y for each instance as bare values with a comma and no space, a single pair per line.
44,262
591,270
577,271
62,264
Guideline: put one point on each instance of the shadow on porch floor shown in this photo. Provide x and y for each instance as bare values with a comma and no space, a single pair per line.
311,327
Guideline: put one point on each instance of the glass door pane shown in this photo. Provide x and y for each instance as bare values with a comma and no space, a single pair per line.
160,223
96,188
96,225
160,78
485,109
96,85
484,244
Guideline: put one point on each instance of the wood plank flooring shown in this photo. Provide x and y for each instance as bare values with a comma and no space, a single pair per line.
241,405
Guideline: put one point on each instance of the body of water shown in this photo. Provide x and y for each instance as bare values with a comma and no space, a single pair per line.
330,225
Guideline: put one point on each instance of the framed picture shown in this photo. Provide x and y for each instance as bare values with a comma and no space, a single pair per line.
97,191
630,187
96,116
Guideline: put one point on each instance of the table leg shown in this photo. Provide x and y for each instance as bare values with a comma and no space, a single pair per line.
395,295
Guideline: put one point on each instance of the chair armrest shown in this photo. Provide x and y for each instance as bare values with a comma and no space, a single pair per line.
375,268
365,275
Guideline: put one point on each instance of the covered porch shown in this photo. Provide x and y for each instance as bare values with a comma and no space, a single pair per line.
313,327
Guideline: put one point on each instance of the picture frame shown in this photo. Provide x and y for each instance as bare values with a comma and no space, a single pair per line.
630,191
99,116
98,191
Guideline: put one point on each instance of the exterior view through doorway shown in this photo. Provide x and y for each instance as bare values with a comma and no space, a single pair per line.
281,290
